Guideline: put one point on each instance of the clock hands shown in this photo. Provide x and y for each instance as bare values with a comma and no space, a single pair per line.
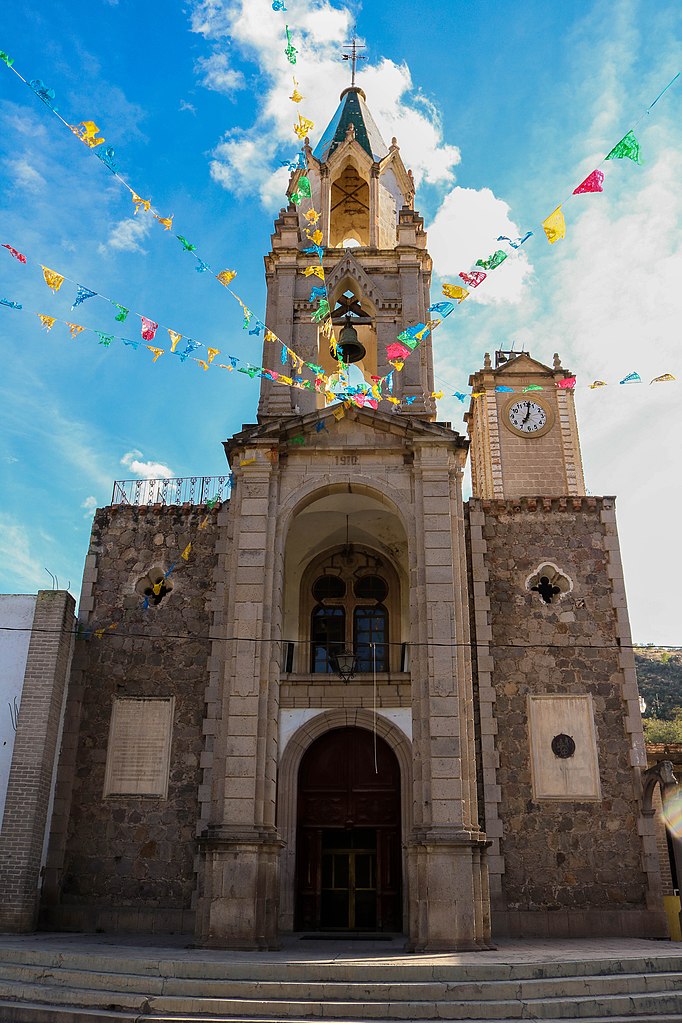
527,416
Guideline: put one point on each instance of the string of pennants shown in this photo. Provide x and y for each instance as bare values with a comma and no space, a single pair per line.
406,342
554,227
88,133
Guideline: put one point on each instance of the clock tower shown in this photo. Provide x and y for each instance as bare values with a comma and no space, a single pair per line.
523,430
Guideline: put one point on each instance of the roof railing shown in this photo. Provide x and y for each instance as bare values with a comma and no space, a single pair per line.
182,490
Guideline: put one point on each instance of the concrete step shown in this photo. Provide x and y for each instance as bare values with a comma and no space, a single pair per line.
23,1012
316,991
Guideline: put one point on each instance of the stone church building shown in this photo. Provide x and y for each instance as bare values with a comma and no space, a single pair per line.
360,703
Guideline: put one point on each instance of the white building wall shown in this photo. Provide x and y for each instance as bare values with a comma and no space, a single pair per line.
16,621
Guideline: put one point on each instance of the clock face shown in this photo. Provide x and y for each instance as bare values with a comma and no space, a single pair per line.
527,416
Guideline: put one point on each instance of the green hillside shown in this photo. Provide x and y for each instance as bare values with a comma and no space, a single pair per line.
659,676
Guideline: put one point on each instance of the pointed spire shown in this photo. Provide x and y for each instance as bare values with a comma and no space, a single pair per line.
352,110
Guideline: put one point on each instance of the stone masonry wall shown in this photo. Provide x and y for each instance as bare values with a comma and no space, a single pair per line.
557,866
127,862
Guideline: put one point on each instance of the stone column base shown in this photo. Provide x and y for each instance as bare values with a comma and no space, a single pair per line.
238,891
449,896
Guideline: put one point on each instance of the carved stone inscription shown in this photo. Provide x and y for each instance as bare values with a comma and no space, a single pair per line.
563,748
138,755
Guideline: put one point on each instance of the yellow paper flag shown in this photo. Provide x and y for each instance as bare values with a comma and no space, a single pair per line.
663,378
326,329
393,401
296,96
48,322
247,461
303,127
225,276
269,336
74,329
312,216
175,338
313,271
200,362
185,553
597,383
315,237
166,221
454,291
140,204
554,226
437,394
339,412
52,278
212,352
156,351
86,132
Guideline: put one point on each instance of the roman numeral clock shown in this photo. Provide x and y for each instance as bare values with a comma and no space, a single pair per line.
523,430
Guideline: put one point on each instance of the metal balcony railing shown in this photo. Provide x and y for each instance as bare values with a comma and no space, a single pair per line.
184,490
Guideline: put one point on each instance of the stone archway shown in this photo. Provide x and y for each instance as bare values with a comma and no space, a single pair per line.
287,802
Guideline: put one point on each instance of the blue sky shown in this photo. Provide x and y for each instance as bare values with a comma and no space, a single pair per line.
501,109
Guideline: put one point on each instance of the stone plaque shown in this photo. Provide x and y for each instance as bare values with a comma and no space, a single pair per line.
563,746
138,754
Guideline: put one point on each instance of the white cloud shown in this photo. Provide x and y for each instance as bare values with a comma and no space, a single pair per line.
127,234
25,176
318,32
465,229
189,107
16,555
145,470
90,505
218,75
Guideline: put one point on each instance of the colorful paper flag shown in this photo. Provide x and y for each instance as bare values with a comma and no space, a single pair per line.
304,126
315,271
315,237
140,204
592,183
519,241
474,278
122,313
212,352
505,389
533,387
74,329
290,50
663,378
166,221
10,305
225,276
156,352
627,148
459,395
107,157
86,131
187,246
52,278
175,338
312,216
17,255
104,339
597,383
149,329
631,378
81,295
567,384
554,226
48,322
454,291
492,262
41,90
444,308
396,350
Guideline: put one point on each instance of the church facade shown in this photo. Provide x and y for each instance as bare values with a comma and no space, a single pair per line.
362,704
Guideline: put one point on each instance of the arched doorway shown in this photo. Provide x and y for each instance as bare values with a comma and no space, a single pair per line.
348,870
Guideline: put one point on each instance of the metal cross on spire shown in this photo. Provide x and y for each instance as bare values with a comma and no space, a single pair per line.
354,56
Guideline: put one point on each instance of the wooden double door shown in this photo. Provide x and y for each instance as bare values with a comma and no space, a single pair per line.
349,857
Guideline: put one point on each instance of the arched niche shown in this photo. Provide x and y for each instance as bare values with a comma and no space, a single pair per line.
328,521
350,204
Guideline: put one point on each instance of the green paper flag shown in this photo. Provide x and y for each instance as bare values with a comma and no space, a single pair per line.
122,312
492,262
628,147
187,246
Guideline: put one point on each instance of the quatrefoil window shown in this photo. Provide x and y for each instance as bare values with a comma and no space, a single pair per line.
154,585
549,582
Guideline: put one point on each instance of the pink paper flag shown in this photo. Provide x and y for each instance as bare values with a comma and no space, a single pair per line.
474,278
592,183
149,329
567,384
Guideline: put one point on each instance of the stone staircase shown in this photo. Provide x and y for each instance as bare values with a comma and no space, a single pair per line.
63,984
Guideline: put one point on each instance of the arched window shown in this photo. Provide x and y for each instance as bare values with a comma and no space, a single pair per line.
350,612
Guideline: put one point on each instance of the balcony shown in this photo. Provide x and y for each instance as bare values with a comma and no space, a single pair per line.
172,492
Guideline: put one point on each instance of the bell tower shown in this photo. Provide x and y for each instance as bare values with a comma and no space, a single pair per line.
377,271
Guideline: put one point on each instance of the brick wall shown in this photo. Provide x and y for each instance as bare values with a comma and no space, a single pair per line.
127,862
29,790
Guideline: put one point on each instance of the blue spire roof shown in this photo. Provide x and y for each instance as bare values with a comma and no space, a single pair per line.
351,110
